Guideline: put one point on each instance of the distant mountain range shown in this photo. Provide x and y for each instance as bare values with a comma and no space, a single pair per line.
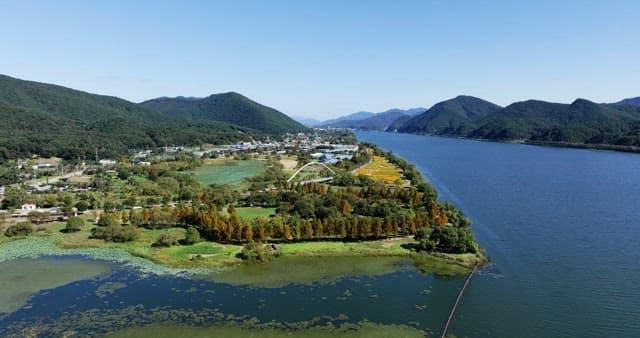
307,121
611,126
628,102
50,120
581,123
370,121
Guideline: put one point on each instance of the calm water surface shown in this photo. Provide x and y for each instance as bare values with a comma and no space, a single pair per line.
561,227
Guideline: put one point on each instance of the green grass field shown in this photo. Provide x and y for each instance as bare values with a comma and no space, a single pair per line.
225,171
249,213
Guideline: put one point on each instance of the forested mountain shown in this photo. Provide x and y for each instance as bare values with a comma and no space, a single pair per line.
449,115
581,122
378,121
399,122
50,120
227,107
361,115
635,101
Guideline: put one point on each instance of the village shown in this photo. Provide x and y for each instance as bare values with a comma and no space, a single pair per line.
51,176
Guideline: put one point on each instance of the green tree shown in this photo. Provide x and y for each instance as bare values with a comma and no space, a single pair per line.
167,239
82,206
108,220
191,236
74,224
20,229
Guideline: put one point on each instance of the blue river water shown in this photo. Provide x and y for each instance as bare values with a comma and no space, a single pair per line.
562,227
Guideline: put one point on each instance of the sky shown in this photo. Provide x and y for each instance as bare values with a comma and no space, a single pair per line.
326,58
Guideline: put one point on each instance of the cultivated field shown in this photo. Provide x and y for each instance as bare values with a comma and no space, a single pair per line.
382,170
226,171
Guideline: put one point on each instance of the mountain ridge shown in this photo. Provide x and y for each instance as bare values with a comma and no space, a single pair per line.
52,120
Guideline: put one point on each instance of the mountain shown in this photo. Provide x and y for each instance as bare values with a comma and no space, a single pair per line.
372,121
51,120
398,123
351,117
635,101
227,107
580,123
449,114
307,121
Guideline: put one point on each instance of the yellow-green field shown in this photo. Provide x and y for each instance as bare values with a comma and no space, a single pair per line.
381,170
227,171
249,213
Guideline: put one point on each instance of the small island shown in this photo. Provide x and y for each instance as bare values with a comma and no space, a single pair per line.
319,194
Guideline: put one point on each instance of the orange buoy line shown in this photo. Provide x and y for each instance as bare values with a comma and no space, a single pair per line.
455,305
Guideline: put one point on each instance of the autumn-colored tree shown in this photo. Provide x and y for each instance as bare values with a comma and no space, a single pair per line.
346,208
146,215
308,230
247,233
286,232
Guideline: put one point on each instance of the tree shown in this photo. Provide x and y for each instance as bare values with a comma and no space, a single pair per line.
74,224
82,206
37,217
247,233
115,233
13,197
191,236
167,239
256,252
108,220
423,236
20,229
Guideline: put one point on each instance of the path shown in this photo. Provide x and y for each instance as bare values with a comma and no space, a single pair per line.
455,305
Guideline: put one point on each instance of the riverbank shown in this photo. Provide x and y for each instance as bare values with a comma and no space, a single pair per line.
208,256
605,147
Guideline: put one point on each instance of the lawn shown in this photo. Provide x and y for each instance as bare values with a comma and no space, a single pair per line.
381,170
249,213
226,171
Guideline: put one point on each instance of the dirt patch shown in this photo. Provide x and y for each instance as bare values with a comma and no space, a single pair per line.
289,164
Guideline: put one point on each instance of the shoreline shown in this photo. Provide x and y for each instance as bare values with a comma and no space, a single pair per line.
552,144
33,247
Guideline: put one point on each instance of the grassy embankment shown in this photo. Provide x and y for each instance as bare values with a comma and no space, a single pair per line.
216,255
227,171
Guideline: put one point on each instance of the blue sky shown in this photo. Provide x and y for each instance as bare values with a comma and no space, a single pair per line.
326,58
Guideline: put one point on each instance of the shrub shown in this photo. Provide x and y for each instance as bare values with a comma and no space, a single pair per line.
82,206
20,229
191,236
107,220
167,239
256,252
74,224
115,233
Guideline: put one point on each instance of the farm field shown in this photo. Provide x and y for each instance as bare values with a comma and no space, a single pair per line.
381,170
226,171
248,213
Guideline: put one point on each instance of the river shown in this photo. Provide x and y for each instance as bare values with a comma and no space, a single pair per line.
560,226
